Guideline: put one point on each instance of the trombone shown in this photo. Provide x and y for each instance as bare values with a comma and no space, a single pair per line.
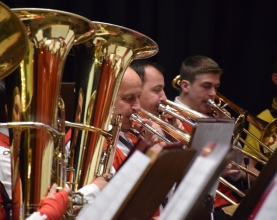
258,123
261,125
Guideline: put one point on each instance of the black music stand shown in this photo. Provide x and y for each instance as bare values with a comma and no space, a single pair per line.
145,192
167,170
254,194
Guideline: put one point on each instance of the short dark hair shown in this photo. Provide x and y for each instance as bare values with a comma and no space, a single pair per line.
196,65
139,67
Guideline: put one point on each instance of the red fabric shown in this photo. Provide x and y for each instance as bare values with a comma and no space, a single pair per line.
54,208
4,141
187,127
118,159
68,135
219,201
2,210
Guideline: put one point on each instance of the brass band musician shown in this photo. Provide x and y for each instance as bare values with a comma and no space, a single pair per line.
199,81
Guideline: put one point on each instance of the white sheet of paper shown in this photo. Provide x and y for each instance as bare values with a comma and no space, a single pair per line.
115,192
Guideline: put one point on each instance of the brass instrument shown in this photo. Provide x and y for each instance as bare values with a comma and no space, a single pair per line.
101,63
223,102
168,128
13,41
267,129
32,96
136,118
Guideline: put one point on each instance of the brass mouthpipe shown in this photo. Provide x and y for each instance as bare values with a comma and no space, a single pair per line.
136,118
186,111
167,109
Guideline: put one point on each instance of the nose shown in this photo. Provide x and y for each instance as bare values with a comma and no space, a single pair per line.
163,96
213,92
136,106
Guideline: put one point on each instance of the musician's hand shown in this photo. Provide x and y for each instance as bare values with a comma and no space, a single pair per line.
149,136
219,114
158,146
229,171
173,121
100,182
55,203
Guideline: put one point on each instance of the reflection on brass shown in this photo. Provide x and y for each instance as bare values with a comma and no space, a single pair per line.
13,41
32,97
269,138
101,63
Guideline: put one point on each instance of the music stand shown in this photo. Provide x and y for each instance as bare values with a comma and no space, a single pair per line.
256,191
140,184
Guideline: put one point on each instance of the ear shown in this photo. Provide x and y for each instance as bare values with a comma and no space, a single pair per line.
184,86
274,78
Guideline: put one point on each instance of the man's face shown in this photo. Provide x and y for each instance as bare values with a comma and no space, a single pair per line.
127,101
203,88
153,90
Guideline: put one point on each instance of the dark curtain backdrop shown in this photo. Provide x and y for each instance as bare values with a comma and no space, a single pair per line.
241,35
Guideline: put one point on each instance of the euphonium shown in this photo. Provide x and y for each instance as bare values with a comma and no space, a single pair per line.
32,94
101,63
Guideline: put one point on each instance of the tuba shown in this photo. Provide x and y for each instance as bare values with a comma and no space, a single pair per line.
101,63
32,95
13,41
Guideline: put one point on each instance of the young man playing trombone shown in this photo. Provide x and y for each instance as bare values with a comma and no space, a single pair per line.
199,81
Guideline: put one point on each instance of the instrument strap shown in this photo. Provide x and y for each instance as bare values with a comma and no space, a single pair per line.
125,142
7,201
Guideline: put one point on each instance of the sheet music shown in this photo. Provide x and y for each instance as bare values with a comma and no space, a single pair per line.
190,187
268,209
115,192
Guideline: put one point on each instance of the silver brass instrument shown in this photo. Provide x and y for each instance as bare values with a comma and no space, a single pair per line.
32,95
136,118
101,63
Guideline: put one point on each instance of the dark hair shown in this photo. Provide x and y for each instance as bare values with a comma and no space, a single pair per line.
196,65
3,102
139,67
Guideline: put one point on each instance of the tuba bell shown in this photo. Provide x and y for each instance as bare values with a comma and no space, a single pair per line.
101,63
13,41
32,96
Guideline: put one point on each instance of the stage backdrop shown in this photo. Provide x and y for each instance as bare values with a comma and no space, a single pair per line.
241,35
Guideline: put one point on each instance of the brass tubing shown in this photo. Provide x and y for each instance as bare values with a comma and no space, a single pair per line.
106,134
167,109
230,186
136,118
225,197
171,130
244,169
248,155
